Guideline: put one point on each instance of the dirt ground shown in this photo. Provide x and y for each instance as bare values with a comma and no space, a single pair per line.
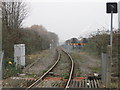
85,64
43,61
63,67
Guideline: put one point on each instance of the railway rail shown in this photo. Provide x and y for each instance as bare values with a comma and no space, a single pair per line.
36,82
46,81
71,71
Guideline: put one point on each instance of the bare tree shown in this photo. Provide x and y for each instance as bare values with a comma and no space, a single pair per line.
13,14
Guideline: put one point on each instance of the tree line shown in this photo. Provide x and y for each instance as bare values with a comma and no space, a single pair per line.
36,38
100,41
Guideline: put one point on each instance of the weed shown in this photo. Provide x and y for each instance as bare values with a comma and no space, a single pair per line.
66,76
44,71
95,69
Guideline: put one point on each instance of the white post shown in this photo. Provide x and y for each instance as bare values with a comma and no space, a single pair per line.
19,55
50,45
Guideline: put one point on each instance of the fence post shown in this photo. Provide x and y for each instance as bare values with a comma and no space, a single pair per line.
104,68
1,68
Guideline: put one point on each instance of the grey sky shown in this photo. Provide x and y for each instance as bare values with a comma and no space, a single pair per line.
70,19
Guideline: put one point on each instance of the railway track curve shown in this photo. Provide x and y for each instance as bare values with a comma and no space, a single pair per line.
52,67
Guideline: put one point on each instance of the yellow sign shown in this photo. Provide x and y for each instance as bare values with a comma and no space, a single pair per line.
9,62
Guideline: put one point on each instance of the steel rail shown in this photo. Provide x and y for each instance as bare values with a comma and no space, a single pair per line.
33,84
71,71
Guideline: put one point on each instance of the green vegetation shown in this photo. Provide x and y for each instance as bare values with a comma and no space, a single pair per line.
44,71
114,85
66,76
36,38
11,70
32,40
29,76
95,69
36,56
78,57
99,43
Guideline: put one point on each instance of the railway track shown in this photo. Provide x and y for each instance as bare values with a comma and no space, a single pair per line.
35,83
73,84
71,71
45,82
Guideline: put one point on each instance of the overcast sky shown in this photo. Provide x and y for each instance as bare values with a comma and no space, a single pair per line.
70,18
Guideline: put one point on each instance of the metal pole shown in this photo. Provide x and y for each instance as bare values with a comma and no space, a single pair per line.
111,37
111,29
